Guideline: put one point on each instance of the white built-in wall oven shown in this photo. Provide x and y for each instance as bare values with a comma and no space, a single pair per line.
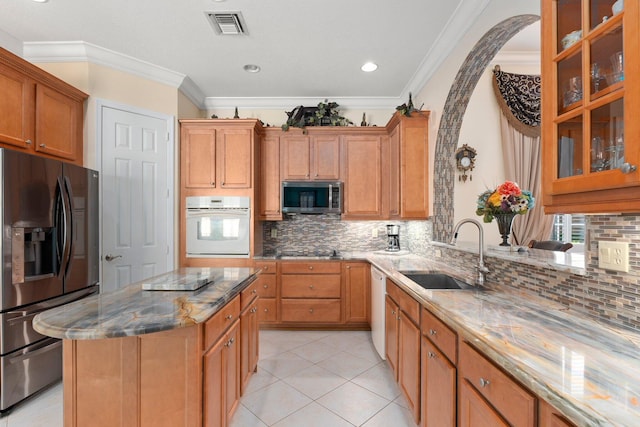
218,227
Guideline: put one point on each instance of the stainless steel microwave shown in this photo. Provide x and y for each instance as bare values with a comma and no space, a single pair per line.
311,197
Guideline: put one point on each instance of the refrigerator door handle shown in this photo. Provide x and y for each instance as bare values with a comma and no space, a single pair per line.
65,226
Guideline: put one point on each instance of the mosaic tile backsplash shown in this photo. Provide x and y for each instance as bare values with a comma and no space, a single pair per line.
606,296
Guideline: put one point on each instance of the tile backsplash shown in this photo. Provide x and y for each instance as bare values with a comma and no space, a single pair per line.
606,296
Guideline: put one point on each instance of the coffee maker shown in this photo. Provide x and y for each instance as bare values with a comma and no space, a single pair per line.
393,238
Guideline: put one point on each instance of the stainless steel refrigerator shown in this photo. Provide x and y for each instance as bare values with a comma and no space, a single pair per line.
50,257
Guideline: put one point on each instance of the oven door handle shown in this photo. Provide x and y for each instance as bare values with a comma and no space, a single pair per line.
218,213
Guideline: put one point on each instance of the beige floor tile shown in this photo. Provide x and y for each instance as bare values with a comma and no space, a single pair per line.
315,381
380,380
284,364
313,415
275,402
346,364
353,403
391,415
245,418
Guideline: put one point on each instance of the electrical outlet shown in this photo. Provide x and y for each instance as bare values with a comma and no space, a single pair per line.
613,256
438,253
274,233
374,232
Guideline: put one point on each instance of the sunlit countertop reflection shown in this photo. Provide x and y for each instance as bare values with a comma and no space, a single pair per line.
588,371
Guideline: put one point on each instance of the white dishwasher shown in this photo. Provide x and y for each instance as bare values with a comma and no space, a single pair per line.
378,291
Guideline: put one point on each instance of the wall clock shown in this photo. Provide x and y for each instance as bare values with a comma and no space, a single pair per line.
465,161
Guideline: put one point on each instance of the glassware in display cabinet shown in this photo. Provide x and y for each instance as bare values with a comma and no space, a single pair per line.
570,147
607,136
607,61
570,82
569,24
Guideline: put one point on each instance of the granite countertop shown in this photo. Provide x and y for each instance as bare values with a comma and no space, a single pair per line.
133,311
588,371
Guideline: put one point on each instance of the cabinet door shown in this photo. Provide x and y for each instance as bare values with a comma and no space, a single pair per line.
362,177
550,417
474,411
357,276
325,157
409,363
58,124
214,406
438,388
248,343
198,156
296,157
16,108
232,370
394,172
391,334
234,157
270,178
414,163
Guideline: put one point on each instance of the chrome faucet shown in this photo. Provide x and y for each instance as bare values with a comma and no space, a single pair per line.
481,268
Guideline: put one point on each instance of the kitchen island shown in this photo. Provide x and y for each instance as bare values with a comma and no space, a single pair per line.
138,357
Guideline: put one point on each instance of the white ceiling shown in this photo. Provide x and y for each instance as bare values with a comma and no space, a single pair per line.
305,49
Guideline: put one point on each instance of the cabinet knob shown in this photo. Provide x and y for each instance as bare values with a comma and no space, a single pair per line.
255,291
223,183
43,145
28,142
310,286
266,310
393,312
311,310
627,168
213,184
484,383
431,355
432,332
229,317
265,286
348,267
311,267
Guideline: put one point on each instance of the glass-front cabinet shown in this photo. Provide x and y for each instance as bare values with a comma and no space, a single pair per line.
590,105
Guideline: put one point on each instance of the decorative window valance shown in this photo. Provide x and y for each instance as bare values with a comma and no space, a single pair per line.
519,99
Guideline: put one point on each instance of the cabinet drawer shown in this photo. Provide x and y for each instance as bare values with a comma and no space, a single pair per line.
440,334
513,402
315,267
248,294
267,310
267,267
311,286
266,285
406,303
311,310
219,322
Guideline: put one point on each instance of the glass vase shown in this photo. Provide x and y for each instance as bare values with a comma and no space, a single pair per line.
505,220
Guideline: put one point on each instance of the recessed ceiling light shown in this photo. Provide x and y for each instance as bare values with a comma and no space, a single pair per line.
40,1
369,67
251,68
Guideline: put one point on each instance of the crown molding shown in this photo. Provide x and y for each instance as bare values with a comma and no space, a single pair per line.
278,103
461,20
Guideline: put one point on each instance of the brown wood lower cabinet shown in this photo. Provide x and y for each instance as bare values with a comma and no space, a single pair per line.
179,378
356,277
548,416
403,344
485,388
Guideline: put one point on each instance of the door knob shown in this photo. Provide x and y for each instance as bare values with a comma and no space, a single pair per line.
111,257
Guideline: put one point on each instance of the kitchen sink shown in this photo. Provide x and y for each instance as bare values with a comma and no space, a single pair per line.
435,280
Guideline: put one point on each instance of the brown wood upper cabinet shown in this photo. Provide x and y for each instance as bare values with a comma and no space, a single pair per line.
310,157
40,113
409,165
217,153
590,144
269,208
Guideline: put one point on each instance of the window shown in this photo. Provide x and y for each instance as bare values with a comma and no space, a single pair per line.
569,229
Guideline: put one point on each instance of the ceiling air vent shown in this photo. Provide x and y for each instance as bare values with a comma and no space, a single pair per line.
227,23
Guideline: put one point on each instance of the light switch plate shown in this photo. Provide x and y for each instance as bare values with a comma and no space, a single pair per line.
613,256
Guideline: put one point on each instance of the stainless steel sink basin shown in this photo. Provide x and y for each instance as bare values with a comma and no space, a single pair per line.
435,280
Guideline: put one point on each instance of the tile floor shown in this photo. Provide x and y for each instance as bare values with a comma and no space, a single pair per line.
323,379
305,378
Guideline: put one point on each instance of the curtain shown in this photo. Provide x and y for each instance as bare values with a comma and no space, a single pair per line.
519,99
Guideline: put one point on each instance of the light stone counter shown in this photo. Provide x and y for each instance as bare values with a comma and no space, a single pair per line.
588,371
133,311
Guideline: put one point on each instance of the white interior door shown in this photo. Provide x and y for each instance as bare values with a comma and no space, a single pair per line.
137,178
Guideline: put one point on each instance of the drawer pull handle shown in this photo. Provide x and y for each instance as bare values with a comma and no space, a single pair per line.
229,317
432,332
484,383
431,355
